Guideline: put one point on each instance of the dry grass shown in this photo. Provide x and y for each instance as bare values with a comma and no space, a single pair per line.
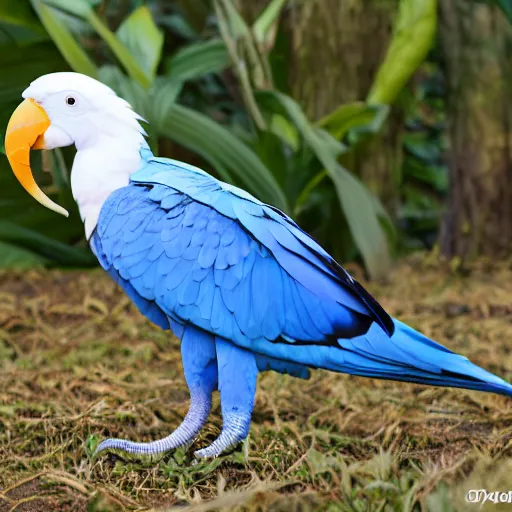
77,363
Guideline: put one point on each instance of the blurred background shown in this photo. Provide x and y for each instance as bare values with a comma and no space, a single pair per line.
381,126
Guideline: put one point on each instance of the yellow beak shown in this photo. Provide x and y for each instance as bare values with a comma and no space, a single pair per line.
25,131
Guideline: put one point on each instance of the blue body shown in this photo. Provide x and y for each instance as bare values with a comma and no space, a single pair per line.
242,283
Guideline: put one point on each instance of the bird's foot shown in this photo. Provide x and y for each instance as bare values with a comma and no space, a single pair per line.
234,430
183,436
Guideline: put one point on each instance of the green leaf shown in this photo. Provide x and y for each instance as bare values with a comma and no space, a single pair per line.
362,210
412,39
216,144
120,51
21,35
264,27
43,249
179,26
143,39
354,119
19,14
79,8
83,9
339,122
15,257
163,96
126,87
281,127
198,59
64,40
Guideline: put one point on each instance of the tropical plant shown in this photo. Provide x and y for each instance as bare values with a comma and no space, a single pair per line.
263,142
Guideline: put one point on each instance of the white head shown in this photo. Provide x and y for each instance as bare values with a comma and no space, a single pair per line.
61,109
81,110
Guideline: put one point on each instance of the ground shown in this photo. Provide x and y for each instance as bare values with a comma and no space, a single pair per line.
78,363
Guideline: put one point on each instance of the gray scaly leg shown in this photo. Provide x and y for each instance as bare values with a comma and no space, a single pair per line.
200,366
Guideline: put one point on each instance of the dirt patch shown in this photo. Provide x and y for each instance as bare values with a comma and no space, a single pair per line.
78,363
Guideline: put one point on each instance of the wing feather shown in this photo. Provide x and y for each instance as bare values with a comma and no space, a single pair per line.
203,252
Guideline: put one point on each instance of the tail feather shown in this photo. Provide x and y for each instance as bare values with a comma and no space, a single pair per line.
405,356
410,356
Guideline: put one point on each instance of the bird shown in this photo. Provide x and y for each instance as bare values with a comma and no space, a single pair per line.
237,281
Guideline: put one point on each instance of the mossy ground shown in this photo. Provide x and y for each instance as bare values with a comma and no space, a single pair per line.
78,363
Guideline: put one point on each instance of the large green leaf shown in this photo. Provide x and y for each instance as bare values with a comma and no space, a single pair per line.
143,39
64,40
412,39
198,59
220,147
362,210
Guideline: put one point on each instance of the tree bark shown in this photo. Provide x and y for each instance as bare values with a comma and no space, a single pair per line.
337,47
476,40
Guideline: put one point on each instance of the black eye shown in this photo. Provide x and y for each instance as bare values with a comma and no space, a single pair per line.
70,101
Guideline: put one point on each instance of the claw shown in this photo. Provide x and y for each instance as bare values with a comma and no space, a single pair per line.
235,430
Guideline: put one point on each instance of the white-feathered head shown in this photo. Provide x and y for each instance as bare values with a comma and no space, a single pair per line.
61,109
80,109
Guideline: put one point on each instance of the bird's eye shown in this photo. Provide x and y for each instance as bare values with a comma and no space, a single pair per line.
70,101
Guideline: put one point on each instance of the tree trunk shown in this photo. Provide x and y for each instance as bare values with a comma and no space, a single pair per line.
476,41
336,49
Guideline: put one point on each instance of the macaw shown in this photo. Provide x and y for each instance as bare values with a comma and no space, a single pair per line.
236,280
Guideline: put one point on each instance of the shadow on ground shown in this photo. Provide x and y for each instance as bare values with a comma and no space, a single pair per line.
78,363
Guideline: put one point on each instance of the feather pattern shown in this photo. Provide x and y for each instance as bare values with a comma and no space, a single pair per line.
190,250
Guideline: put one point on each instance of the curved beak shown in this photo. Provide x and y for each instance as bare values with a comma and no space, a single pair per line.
25,131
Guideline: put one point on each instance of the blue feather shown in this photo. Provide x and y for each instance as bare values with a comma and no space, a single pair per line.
178,274
208,252
172,200
191,250
189,292
206,291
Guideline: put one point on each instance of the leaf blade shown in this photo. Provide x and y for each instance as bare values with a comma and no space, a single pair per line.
198,59
412,39
143,39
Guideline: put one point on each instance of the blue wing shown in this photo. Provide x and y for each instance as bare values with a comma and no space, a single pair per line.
191,249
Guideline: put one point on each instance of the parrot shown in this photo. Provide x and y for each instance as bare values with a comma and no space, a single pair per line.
237,281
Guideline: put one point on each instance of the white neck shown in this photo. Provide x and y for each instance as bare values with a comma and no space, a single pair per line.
102,165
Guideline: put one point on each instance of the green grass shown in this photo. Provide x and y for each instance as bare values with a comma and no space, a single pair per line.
78,363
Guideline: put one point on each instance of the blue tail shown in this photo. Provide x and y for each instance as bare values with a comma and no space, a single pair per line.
409,356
